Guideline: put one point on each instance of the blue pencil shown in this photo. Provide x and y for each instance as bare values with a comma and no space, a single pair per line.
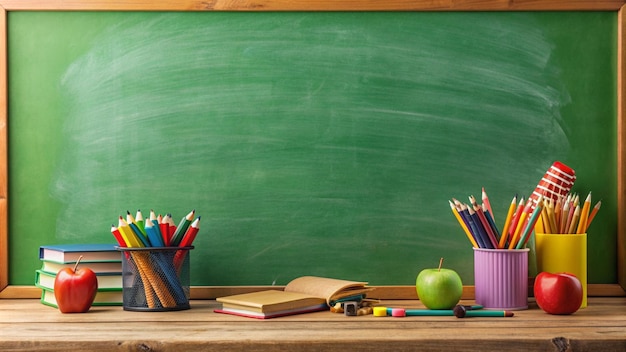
475,222
470,225
492,224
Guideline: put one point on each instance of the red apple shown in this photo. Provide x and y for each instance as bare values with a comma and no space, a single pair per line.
558,293
75,289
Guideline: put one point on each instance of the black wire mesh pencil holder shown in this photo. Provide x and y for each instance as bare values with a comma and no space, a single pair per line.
155,278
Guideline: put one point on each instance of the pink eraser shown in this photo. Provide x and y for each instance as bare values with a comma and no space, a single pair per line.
398,312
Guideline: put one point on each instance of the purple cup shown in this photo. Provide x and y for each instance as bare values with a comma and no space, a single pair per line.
501,278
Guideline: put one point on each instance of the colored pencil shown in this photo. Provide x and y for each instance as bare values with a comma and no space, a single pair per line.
165,231
545,221
464,212
531,224
130,220
593,213
463,225
187,241
190,234
118,236
564,216
486,226
551,213
181,228
127,233
487,203
140,222
171,224
156,240
507,222
515,220
575,217
584,215
518,229
154,218
570,217
492,223
478,228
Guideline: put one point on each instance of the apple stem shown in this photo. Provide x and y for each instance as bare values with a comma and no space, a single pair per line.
440,264
78,261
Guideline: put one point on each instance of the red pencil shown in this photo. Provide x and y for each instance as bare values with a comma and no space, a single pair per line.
487,204
481,215
118,236
164,229
186,241
171,225
190,234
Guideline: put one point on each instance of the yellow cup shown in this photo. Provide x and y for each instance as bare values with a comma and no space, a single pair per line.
557,253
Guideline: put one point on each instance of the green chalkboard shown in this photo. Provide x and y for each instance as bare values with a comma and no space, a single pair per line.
310,143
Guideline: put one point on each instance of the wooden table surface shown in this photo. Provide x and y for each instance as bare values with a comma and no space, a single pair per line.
26,324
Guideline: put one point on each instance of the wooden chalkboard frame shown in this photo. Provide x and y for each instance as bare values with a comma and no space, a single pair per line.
13,291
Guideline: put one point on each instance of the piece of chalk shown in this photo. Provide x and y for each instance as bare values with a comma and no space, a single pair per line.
398,312
380,311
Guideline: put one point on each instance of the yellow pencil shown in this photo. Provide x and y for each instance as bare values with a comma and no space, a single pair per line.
462,223
551,215
545,221
507,222
518,230
128,234
540,227
557,212
518,213
584,215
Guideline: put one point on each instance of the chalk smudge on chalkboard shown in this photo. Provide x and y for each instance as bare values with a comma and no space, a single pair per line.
310,142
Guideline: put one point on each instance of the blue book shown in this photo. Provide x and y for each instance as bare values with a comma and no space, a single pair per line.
69,253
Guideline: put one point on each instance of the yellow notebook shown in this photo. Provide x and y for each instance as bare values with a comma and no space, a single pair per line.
302,295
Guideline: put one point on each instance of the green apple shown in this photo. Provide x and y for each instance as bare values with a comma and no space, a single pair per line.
439,288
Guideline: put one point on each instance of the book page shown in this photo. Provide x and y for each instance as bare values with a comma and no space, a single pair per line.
329,289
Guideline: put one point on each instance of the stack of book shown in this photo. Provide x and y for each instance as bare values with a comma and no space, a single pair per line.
103,259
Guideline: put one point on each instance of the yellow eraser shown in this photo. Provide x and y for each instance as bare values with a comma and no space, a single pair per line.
380,311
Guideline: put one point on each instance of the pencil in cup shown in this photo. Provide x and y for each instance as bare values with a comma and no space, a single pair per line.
164,287
480,227
157,294
568,216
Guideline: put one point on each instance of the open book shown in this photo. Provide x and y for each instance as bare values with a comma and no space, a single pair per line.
302,295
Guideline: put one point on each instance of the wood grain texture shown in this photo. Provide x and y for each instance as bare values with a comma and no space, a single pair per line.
26,324
4,237
621,146
316,5
382,292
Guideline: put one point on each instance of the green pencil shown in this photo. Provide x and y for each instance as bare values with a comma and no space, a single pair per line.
182,228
